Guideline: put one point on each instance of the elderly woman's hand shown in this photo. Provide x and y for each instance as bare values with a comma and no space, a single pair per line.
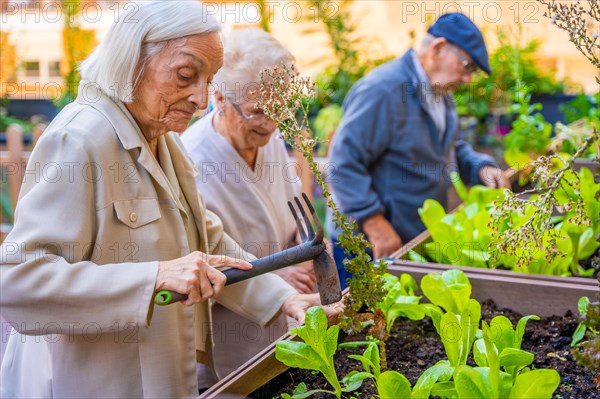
302,277
196,275
297,305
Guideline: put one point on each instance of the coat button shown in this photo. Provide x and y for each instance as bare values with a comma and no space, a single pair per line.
133,217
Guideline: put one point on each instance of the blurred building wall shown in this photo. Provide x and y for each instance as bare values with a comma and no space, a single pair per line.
386,27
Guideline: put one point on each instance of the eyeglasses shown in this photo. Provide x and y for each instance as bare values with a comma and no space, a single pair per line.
467,65
254,119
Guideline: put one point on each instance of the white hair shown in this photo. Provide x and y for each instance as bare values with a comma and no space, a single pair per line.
247,53
140,33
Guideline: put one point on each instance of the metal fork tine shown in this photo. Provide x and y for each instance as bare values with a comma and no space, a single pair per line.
309,228
315,217
301,230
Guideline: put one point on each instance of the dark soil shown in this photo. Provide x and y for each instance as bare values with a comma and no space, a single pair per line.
414,346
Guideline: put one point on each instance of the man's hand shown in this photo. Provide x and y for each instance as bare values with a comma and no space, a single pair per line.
196,275
302,277
493,177
382,235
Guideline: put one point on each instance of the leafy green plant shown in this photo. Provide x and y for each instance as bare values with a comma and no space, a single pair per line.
317,350
400,300
458,328
470,235
458,333
530,136
389,383
582,107
587,351
579,334
507,341
461,237
450,290
491,383
530,133
495,346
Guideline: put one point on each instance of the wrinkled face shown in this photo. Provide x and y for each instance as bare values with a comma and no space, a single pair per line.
247,124
175,83
454,68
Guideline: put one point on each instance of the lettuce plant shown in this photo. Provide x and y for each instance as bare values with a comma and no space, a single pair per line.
389,383
492,383
447,292
400,300
507,341
587,352
502,370
475,234
582,307
458,333
317,350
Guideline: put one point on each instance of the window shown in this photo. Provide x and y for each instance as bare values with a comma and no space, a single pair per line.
54,68
32,68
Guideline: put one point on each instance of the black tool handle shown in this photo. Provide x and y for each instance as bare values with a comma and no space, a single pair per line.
278,260
298,254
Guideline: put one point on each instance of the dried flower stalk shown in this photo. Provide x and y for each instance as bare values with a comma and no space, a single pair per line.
524,240
284,98
581,23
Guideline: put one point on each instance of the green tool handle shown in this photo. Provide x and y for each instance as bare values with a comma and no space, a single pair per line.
165,297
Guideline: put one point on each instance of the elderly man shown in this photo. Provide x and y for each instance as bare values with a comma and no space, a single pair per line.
397,141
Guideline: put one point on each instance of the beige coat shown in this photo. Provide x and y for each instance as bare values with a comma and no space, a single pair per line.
95,214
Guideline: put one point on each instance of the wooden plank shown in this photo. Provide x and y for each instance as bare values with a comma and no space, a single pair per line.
591,164
251,375
524,293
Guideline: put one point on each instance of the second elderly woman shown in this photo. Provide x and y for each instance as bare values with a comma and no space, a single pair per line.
247,178
120,217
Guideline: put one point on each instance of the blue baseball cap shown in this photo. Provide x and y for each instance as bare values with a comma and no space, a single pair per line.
459,30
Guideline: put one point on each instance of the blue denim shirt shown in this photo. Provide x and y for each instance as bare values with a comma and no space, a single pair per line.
388,156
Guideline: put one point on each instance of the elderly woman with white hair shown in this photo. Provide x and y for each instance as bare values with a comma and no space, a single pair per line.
109,213
247,178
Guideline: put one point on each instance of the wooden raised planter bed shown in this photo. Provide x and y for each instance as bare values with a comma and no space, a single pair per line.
523,293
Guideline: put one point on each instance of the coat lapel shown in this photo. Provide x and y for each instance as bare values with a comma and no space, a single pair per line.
126,129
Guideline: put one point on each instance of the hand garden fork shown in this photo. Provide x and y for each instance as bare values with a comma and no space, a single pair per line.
312,247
